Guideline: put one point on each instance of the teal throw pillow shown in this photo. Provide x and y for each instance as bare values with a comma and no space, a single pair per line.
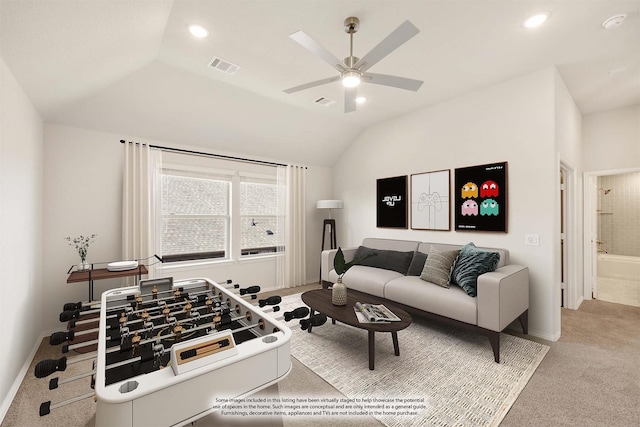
471,263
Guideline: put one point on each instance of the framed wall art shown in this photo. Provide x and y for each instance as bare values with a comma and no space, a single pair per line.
391,202
480,201
430,200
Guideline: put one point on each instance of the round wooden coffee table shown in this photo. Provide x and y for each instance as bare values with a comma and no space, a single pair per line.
320,300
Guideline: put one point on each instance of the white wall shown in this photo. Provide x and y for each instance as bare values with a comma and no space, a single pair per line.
21,289
512,121
83,191
611,140
568,131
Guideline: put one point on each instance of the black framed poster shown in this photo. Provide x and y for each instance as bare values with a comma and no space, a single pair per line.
481,197
391,203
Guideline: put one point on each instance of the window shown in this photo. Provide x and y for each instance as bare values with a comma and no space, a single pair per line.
258,217
195,216
217,210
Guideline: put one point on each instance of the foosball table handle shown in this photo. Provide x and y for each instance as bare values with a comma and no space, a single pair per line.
48,367
45,408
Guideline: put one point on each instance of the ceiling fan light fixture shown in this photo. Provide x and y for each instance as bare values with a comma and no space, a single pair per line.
361,100
350,78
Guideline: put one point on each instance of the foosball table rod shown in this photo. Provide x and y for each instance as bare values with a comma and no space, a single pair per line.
55,382
69,315
46,407
67,347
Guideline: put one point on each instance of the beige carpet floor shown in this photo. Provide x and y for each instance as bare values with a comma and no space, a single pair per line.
590,377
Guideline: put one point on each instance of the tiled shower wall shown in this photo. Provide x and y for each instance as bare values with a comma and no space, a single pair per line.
619,214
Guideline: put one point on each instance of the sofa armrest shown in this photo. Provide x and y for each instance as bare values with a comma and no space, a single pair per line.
327,257
503,295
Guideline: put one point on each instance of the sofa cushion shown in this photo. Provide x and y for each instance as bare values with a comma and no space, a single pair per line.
438,266
385,259
471,263
452,302
370,280
417,264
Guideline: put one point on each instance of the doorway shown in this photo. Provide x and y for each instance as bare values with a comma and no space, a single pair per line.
612,241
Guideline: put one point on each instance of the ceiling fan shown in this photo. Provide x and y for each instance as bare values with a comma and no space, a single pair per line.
353,70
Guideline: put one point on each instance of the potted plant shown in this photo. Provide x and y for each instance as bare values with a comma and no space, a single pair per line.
339,289
82,246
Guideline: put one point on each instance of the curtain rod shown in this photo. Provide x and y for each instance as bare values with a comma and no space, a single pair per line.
217,156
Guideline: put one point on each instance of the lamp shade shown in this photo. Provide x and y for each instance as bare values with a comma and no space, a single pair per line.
329,204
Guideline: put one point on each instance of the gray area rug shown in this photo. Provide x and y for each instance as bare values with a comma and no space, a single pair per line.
443,376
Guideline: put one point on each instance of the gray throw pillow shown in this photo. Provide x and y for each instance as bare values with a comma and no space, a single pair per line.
438,267
471,263
385,259
417,264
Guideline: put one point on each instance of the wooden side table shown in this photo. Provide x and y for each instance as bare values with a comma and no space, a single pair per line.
103,273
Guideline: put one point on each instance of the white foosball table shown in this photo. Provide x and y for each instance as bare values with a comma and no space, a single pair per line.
168,352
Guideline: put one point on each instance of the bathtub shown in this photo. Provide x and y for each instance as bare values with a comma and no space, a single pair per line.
619,267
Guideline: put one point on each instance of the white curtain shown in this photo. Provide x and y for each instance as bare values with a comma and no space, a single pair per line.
138,198
291,268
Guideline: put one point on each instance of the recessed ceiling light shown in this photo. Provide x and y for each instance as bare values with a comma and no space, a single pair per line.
615,21
535,20
361,100
198,31
617,70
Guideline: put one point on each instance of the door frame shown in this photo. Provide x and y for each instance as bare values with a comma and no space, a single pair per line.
572,293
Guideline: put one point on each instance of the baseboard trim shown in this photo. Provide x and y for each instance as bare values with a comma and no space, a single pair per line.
544,336
8,400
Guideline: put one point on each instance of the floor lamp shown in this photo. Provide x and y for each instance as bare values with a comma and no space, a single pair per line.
329,204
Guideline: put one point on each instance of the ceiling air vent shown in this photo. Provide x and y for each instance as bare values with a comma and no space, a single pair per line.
224,66
325,102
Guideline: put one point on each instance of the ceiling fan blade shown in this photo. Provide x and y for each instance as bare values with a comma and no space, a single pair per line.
393,81
350,99
312,84
318,50
393,41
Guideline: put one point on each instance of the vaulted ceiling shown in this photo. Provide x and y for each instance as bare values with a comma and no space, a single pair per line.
133,68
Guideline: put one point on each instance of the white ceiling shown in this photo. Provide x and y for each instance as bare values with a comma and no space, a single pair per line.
132,68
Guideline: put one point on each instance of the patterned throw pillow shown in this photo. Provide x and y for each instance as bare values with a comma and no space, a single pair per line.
438,267
471,263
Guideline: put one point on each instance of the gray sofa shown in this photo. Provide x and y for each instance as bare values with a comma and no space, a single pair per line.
502,295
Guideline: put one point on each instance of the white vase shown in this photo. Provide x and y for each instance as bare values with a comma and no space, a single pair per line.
339,293
83,266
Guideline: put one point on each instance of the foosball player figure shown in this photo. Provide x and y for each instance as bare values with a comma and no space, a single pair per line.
166,312
187,309
209,304
177,294
154,292
123,320
177,330
135,344
144,315
158,352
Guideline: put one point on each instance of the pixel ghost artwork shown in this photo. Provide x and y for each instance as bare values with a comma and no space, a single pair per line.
489,207
470,208
489,189
469,190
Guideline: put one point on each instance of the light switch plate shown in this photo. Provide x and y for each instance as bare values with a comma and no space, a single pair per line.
532,240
